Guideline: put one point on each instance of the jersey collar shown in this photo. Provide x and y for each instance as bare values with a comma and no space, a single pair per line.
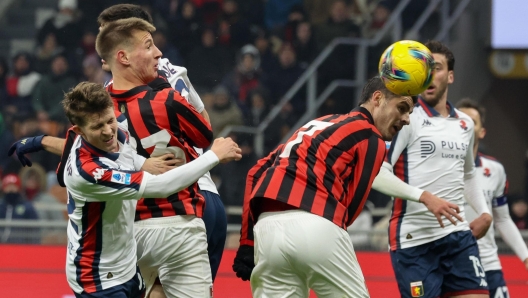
98,152
365,112
128,95
431,112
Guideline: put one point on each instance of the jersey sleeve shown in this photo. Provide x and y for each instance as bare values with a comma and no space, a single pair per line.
499,196
195,127
254,174
96,182
178,79
70,137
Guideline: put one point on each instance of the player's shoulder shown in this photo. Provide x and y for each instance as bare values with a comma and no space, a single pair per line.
463,116
490,160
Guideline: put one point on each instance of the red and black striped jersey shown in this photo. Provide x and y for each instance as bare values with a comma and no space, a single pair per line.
327,168
164,122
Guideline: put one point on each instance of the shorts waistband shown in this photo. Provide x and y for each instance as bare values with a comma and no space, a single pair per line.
161,221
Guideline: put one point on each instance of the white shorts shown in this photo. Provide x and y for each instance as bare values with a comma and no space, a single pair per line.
296,251
175,250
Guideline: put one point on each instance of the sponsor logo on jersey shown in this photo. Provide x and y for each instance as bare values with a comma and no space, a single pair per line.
487,172
120,177
417,289
427,148
98,174
463,125
426,123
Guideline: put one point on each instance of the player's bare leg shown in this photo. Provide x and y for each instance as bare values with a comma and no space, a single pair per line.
157,292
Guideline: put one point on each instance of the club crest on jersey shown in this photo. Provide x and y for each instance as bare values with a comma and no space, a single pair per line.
417,289
463,125
120,177
487,172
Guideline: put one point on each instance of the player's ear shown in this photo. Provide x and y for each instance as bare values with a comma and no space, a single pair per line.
377,98
482,133
450,77
77,130
121,57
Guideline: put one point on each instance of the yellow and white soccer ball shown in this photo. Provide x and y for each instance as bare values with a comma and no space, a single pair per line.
406,67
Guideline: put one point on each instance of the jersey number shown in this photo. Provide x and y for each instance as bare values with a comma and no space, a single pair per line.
312,127
160,141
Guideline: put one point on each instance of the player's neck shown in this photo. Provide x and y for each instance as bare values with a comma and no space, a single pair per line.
441,106
125,81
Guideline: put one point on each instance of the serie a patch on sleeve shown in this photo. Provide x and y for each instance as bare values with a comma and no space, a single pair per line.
121,178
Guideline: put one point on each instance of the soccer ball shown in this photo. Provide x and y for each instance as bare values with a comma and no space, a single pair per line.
406,67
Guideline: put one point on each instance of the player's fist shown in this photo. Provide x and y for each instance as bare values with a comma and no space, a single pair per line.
226,149
24,146
244,262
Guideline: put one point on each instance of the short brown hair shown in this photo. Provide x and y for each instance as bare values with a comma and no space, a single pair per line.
437,47
119,33
471,104
85,99
123,11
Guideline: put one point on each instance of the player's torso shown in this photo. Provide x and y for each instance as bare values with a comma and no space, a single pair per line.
318,165
101,246
490,174
434,161
154,129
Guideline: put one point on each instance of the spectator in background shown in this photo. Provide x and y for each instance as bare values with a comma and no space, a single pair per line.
277,11
282,77
4,69
169,51
184,24
296,16
267,57
93,72
337,25
233,28
14,206
46,52
317,10
258,100
88,41
20,84
246,75
49,92
34,187
6,140
207,63
64,25
224,111
519,212
304,44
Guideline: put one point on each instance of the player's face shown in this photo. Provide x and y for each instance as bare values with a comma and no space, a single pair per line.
442,77
392,114
480,131
100,130
144,57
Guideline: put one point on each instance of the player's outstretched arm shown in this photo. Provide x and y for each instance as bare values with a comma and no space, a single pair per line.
160,186
35,144
386,183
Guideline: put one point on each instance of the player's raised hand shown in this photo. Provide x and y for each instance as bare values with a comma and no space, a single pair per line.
440,207
24,146
161,164
480,225
226,149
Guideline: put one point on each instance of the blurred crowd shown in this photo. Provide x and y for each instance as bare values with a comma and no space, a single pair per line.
242,56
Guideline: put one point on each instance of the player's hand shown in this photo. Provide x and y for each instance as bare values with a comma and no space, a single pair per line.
161,164
226,150
440,207
244,262
480,225
24,146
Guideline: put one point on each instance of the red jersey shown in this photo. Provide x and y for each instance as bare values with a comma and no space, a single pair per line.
326,168
163,121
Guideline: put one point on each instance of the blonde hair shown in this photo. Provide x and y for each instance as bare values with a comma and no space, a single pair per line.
118,34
